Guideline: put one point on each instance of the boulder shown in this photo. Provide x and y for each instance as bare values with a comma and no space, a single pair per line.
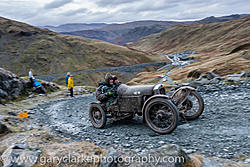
200,82
237,77
194,74
206,79
211,75
11,86
3,128
51,87
220,162
168,155
21,155
3,94
111,159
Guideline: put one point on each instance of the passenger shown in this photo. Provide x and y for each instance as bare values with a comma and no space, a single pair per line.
116,84
116,81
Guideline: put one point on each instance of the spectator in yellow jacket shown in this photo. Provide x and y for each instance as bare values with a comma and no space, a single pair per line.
71,85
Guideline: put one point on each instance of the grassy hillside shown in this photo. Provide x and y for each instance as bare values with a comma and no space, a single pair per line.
214,37
223,48
23,46
139,32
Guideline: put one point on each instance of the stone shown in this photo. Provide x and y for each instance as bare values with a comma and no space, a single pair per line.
247,160
172,154
3,94
126,145
194,74
16,154
214,81
189,151
11,86
12,113
31,96
161,142
3,128
200,82
51,87
112,158
236,77
15,92
211,75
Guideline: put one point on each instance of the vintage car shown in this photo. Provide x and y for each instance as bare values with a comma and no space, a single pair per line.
158,110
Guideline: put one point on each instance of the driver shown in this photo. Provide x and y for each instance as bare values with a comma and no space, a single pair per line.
106,93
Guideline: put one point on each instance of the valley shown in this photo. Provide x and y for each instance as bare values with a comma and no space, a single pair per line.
212,55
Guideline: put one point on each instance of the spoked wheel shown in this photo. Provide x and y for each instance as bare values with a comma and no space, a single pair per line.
97,116
192,107
161,115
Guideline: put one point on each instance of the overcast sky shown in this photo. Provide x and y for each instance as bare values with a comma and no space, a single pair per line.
56,12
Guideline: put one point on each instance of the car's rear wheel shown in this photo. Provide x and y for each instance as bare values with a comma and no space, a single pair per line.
161,115
192,107
97,116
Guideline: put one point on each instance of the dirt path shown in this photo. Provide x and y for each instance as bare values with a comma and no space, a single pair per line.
222,130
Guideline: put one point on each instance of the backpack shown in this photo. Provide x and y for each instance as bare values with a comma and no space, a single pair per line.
36,83
99,93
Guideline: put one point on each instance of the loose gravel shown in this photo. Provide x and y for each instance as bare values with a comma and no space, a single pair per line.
222,130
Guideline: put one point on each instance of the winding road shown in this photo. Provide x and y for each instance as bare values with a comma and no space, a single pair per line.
221,131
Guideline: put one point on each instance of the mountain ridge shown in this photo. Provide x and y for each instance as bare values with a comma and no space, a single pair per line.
123,33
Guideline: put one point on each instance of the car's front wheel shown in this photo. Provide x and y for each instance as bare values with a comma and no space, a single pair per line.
161,115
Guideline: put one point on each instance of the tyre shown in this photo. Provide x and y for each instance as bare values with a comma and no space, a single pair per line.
192,107
161,115
97,116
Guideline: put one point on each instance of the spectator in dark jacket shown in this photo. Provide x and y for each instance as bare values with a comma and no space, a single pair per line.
67,78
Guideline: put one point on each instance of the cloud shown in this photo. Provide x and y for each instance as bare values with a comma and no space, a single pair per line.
37,12
104,3
147,5
75,12
57,4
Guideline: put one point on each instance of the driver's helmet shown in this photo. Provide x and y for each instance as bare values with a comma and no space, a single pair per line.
107,78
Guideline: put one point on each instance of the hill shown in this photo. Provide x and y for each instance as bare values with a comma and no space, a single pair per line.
133,31
214,37
74,27
220,47
213,19
23,46
123,33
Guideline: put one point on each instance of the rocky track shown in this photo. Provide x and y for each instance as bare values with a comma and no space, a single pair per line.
222,130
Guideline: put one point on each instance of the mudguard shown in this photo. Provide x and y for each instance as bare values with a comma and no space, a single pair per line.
180,95
181,88
153,97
